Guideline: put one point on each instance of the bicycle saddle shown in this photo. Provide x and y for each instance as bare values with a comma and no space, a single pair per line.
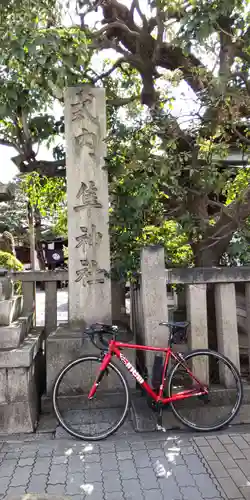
175,324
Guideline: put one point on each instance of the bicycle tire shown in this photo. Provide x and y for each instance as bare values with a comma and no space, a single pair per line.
55,398
236,375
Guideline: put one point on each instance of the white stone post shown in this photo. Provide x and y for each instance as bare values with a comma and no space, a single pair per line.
88,205
154,298
226,320
198,338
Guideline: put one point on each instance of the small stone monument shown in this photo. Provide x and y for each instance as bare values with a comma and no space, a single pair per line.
10,304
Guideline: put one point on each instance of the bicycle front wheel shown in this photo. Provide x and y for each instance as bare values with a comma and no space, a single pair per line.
94,419
216,409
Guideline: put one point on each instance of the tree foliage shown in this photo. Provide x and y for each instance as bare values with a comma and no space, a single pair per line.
205,47
10,262
39,57
169,181
48,199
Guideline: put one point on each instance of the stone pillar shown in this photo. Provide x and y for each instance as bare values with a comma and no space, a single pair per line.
226,321
118,292
197,316
154,298
88,205
248,318
88,236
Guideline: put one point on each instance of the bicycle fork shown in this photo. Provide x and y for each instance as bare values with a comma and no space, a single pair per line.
103,367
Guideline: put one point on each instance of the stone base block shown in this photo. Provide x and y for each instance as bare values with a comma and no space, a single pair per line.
18,417
10,309
20,385
66,344
23,355
13,335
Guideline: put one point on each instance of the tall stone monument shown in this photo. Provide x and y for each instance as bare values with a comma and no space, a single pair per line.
88,233
88,205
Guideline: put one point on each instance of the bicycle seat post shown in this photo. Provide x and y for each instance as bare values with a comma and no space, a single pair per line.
170,337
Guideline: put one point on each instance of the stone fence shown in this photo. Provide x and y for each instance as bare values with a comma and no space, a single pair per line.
149,303
50,280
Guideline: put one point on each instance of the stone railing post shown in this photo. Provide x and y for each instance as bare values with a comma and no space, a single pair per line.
248,318
197,316
226,320
154,298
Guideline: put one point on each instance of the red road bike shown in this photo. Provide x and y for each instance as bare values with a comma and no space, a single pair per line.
91,396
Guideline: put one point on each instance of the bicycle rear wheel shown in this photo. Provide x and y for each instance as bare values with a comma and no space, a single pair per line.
94,419
216,409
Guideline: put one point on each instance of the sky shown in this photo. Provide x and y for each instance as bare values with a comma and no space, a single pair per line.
183,106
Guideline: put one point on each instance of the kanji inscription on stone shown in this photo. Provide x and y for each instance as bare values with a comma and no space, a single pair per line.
80,109
89,237
90,273
89,139
88,196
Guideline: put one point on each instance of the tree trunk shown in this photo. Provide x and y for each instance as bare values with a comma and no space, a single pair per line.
208,252
39,250
31,236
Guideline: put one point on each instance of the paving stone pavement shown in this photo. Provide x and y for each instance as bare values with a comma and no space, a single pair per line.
136,467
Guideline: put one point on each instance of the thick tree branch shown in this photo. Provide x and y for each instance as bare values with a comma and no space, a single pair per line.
116,24
140,13
209,202
160,33
117,102
105,43
107,73
142,46
242,137
218,236
56,168
227,50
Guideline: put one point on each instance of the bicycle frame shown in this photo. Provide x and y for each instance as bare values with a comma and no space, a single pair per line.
114,350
